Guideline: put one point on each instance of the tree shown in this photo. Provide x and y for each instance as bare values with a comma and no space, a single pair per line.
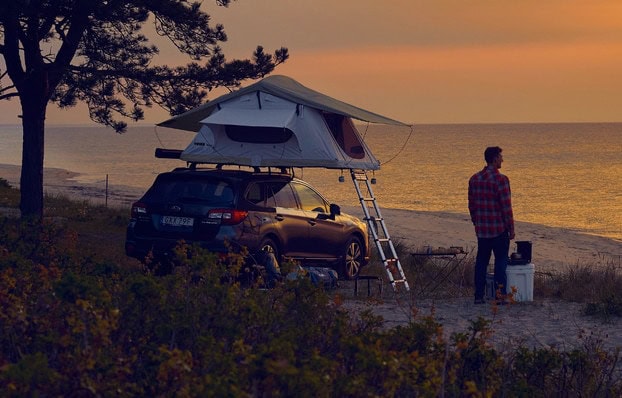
96,52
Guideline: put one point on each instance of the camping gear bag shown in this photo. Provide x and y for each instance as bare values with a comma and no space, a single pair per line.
323,277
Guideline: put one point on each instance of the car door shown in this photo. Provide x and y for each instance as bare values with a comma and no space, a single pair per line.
325,234
290,221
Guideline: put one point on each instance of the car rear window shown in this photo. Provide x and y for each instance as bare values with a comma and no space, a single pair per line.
209,191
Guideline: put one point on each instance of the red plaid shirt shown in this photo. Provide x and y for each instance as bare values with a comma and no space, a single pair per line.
490,203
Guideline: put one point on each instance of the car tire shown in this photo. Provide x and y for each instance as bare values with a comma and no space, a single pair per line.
352,258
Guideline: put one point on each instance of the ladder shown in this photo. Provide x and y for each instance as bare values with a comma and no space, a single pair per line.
384,244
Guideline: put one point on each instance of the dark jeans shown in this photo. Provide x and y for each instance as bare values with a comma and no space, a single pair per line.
499,245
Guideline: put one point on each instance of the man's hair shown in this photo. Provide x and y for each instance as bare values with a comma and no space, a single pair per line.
491,153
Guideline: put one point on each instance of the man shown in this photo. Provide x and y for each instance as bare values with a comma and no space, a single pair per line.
490,206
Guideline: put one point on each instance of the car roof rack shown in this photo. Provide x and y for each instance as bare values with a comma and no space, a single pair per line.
164,153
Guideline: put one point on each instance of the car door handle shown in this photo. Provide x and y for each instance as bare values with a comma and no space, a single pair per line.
279,217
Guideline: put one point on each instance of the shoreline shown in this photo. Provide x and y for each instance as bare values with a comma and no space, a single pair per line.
554,249
60,181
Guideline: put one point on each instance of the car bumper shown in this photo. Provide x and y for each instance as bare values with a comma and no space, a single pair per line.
142,247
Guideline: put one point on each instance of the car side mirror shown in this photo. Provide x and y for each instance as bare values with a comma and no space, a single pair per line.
335,210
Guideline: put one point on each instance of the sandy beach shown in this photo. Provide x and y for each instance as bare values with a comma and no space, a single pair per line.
554,249
536,323
542,323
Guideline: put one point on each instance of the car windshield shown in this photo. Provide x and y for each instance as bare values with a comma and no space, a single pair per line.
207,191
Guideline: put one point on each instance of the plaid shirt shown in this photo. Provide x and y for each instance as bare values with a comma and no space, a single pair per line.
490,203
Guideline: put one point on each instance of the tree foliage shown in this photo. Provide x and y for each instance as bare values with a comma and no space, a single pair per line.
99,53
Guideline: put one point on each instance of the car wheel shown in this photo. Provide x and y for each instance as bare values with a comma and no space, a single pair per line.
353,258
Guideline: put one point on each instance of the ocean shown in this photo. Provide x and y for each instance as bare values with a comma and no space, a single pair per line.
566,175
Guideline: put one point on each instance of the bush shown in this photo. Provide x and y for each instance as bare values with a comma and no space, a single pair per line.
9,196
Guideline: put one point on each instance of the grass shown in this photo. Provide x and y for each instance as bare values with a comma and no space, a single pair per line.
428,277
9,197
100,233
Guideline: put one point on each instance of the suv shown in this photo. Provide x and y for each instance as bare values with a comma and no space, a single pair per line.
268,211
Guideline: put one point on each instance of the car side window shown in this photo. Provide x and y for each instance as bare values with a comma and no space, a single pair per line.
280,194
253,194
309,199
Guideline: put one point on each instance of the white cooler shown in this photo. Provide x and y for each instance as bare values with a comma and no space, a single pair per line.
521,277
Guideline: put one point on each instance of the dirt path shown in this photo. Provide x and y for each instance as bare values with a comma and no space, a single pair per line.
539,323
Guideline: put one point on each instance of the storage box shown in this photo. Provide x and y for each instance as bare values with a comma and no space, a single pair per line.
522,255
523,247
521,277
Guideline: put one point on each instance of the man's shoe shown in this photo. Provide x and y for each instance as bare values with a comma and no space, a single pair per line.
479,301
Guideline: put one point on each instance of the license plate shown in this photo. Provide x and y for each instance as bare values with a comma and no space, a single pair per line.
178,221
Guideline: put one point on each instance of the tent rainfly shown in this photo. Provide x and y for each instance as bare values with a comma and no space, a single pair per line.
277,122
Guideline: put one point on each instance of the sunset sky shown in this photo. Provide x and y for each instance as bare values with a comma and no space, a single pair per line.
434,61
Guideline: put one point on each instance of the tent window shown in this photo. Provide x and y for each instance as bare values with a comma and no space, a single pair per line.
345,134
258,135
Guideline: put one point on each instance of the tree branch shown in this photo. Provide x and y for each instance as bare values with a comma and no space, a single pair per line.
71,42
10,50
8,96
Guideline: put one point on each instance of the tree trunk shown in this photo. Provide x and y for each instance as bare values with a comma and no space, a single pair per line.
31,180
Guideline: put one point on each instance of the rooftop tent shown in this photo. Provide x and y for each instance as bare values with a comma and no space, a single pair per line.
278,122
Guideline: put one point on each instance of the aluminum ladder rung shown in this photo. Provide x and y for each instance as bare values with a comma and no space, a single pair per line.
391,264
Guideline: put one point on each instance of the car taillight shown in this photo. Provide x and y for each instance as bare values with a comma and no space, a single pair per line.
228,216
139,209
